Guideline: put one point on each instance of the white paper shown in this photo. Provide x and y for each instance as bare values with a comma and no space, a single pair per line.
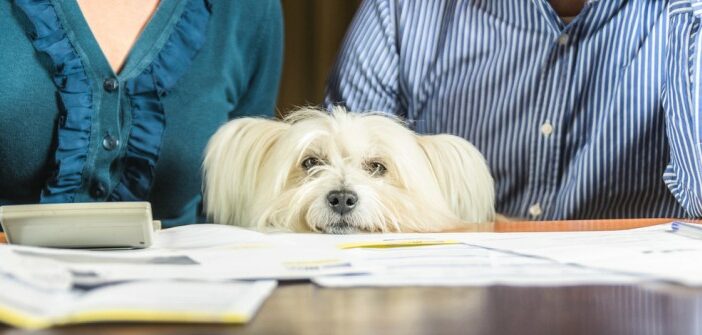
212,299
215,252
195,252
465,265
652,252
208,236
25,306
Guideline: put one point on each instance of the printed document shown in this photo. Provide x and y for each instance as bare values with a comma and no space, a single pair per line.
24,306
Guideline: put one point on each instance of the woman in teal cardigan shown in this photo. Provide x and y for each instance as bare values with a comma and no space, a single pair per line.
85,118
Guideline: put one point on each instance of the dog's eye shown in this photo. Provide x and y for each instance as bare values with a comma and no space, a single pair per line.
376,169
311,162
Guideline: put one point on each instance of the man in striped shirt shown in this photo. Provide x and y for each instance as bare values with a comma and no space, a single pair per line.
593,113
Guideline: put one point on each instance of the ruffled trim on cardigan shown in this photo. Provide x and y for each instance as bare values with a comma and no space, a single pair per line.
145,92
76,102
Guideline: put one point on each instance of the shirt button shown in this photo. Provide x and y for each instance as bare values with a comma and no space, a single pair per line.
563,39
98,190
546,128
535,210
110,84
110,143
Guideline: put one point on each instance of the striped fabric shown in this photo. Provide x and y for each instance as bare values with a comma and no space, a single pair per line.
598,118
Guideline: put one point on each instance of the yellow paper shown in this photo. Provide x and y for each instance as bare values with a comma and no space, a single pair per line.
395,243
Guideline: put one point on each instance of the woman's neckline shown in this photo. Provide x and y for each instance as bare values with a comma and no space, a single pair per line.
146,46
116,26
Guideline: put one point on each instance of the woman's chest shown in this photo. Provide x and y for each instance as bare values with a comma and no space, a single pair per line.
60,118
116,25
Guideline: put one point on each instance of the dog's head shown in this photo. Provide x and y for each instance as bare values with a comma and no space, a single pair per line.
343,172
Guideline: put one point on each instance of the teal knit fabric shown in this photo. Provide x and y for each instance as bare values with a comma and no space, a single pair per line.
74,131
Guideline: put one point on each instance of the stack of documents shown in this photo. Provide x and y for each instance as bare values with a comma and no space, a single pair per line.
191,274
655,253
26,306
465,265
195,252
216,273
449,259
652,253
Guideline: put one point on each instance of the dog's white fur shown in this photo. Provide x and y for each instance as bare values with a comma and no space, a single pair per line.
255,175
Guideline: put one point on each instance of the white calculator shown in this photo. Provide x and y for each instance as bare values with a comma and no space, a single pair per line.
80,225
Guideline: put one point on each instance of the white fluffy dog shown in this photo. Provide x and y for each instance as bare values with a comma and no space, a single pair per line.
343,172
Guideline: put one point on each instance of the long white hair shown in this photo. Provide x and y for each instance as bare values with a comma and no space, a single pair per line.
258,174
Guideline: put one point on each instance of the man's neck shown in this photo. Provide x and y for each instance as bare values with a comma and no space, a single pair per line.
568,7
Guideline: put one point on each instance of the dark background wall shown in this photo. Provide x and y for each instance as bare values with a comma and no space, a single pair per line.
313,32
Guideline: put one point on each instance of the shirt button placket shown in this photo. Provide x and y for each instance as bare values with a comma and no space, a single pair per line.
98,189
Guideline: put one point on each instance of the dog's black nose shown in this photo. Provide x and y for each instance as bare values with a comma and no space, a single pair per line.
343,201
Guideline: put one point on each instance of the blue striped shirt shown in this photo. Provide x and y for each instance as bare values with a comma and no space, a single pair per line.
597,118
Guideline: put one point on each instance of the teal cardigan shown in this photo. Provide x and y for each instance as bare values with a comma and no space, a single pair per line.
71,130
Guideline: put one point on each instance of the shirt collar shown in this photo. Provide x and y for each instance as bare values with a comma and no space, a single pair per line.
595,15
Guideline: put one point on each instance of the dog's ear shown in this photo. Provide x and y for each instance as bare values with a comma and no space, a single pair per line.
463,176
233,161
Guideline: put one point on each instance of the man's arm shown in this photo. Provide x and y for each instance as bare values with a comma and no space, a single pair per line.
681,101
366,74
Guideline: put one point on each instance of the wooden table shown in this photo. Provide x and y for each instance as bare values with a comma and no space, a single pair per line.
302,308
